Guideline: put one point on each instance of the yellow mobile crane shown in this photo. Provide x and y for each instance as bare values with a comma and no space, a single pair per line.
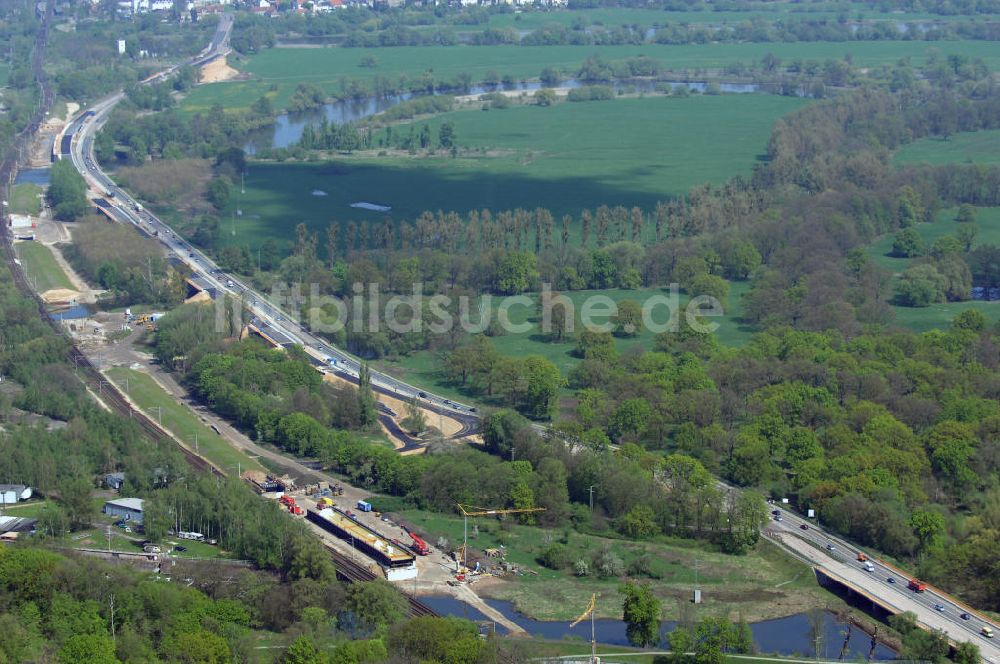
472,510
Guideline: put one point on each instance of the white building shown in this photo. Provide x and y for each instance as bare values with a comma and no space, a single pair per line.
13,493
121,47
20,222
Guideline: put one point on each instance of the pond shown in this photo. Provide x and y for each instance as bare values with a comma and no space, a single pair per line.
791,635
287,127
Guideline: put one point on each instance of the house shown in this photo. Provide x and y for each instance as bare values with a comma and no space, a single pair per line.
114,481
13,493
129,509
20,222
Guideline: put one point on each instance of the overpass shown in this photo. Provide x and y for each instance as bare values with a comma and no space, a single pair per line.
806,544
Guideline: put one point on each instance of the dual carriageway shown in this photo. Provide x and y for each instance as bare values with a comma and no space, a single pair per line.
832,558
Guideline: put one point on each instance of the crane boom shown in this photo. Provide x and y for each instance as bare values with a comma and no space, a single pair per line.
472,510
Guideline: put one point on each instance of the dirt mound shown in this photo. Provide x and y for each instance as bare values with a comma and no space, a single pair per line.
218,70
60,296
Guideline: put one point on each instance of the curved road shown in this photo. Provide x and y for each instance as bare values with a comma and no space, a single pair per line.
809,544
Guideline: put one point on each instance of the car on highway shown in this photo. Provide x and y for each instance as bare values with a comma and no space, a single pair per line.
422,395
777,517
965,616
804,526
891,579
775,512
472,409
830,547
939,607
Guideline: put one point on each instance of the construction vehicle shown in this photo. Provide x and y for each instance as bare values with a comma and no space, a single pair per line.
324,502
916,585
419,545
862,557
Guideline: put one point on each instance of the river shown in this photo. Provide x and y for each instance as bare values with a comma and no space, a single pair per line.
790,635
287,127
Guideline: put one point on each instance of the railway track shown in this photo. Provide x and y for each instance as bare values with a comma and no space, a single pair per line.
354,572
108,394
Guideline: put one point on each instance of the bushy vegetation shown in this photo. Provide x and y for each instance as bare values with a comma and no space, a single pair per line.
129,265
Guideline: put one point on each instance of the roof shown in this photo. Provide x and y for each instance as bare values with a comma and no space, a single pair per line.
16,524
13,487
115,476
127,503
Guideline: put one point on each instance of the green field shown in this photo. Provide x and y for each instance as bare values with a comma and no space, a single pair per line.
24,199
41,267
921,319
4,74
610,18
175,416
425,368
285,68
747,584
565,158
972,147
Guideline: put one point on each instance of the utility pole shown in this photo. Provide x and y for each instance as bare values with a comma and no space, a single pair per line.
592,487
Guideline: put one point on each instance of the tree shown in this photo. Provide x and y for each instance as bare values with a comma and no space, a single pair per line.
595,345
542,388
446,135
907,243
415,422
500,430
641,613
967,652
921,286
67,191
367,411
545,97
630,419
966,214
628,319
376,604
90,648
639,522
710,285
303,651
966,235
928,526
517,272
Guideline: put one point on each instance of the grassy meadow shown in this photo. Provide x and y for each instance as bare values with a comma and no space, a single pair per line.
284,68
41,267
971,147
565,157
763,584
426,367
921,319
24,199
175,416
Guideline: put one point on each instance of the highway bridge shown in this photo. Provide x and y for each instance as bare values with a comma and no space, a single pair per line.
934,609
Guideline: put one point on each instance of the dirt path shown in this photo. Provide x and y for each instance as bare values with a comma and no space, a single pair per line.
218,70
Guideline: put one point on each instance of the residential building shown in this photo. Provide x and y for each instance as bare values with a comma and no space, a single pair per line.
114,481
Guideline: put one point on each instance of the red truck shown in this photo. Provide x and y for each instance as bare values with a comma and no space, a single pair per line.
916,585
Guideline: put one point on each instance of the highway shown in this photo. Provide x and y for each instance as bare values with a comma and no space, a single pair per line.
128,210
809,544
934,609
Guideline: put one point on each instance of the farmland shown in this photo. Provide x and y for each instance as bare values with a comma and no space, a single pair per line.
978,147
567,157
284,68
